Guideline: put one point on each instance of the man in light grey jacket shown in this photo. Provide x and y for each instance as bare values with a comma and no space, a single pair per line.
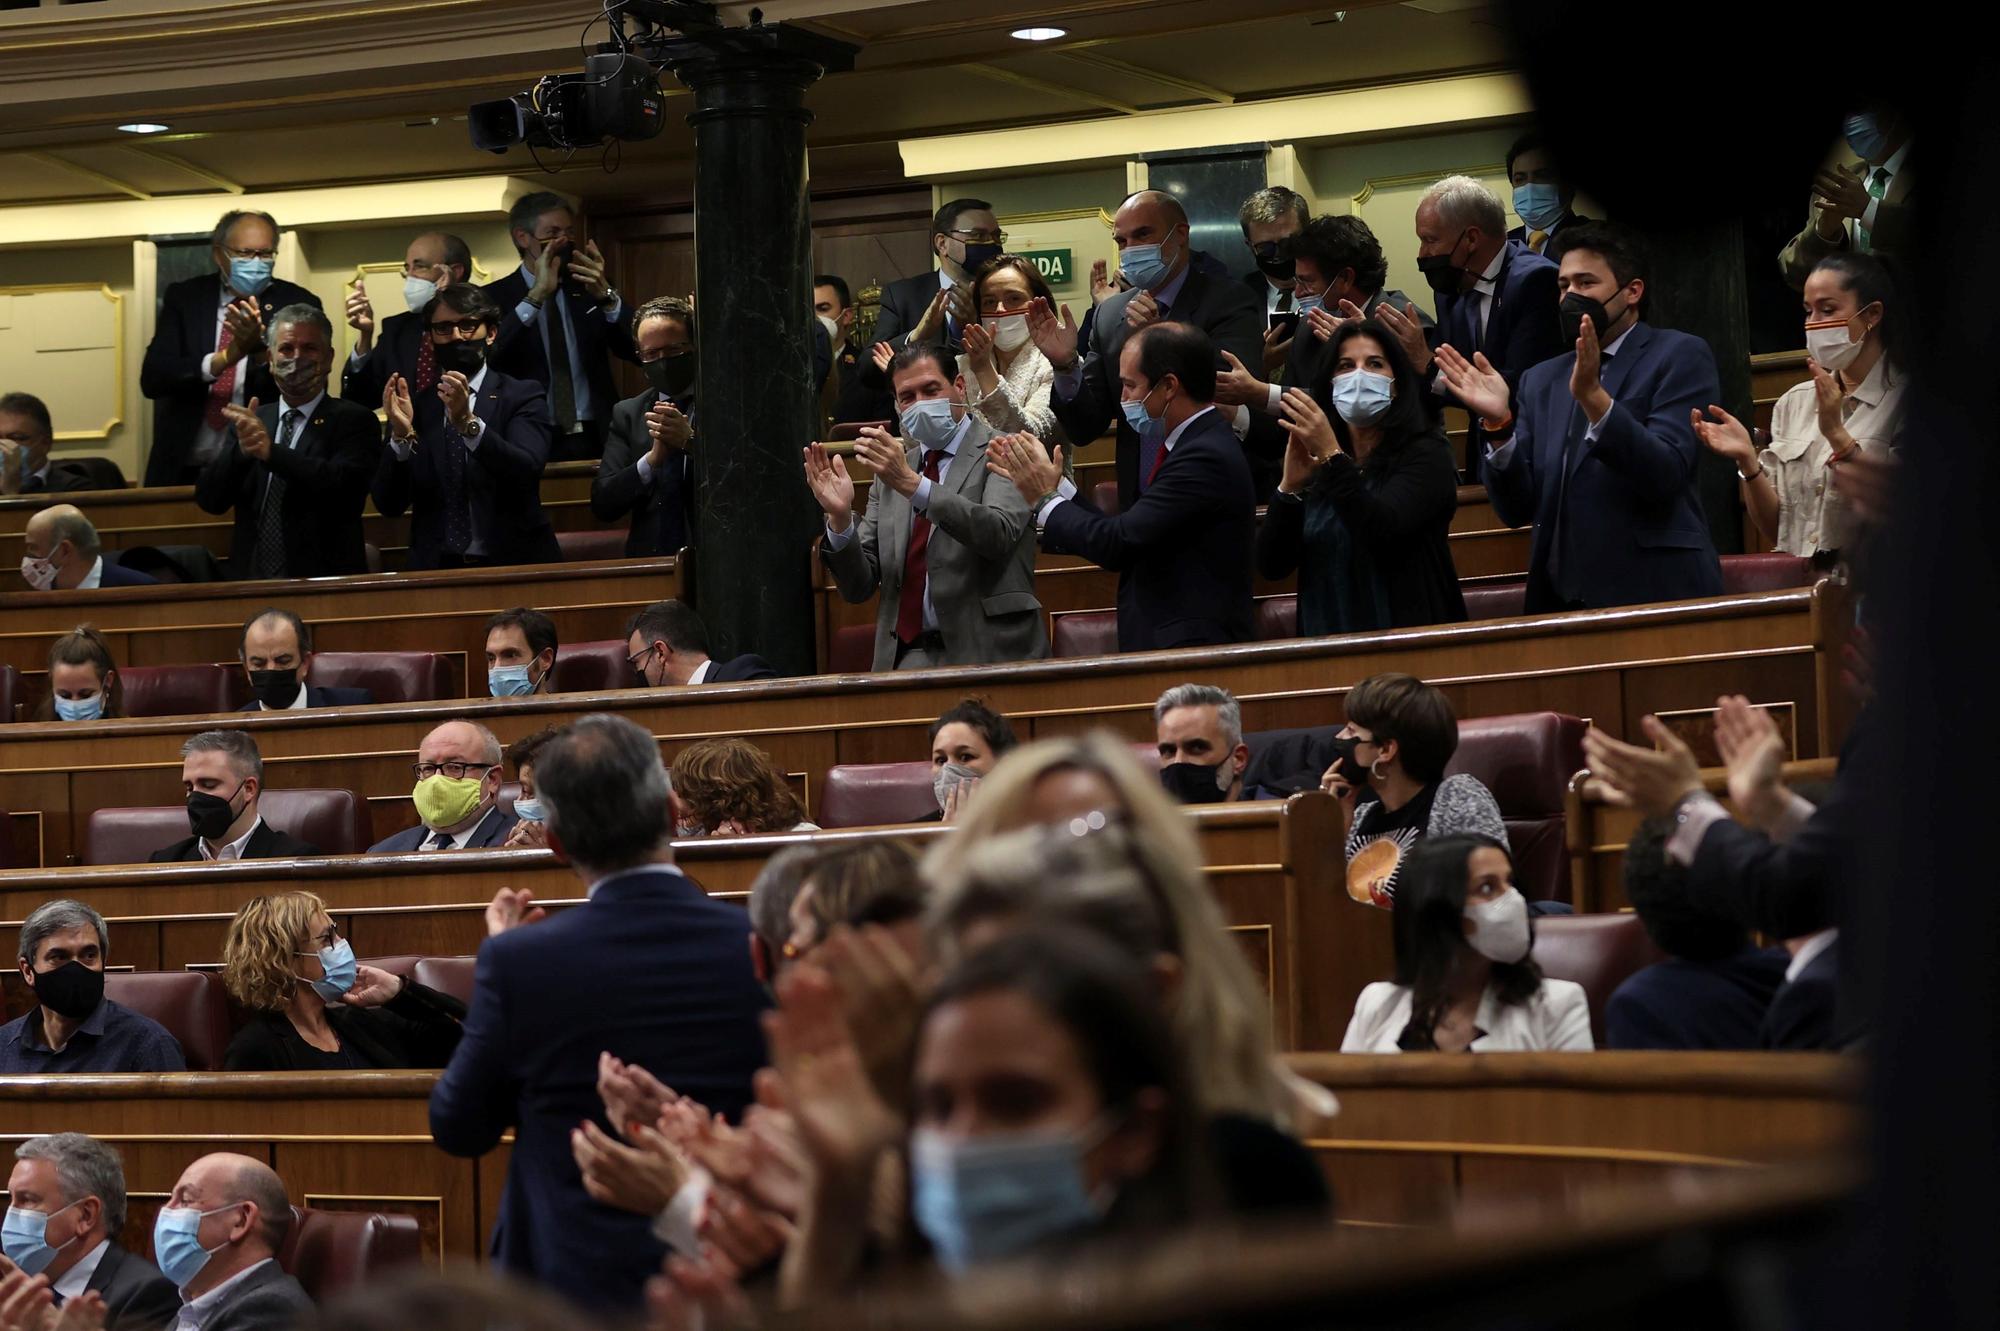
949,545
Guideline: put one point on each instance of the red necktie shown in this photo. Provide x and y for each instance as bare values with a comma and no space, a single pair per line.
222,390
1159,460
916,564
427,362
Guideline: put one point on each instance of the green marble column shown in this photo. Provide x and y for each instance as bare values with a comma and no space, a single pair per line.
1697,285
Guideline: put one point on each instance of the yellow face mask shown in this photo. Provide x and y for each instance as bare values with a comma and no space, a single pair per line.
444,801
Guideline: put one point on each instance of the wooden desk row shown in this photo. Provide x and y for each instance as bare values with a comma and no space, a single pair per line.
1419,1136
168,515
442,610
1611,667
1275,868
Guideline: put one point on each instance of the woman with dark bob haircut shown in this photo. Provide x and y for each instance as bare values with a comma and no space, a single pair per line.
1465,977
1364,507
965,744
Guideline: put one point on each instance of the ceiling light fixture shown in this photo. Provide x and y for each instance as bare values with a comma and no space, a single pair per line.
1038,34
144,127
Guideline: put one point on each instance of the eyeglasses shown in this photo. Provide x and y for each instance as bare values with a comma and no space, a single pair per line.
672,353
250,254
327,937
635,658
980,237
446,327
455,771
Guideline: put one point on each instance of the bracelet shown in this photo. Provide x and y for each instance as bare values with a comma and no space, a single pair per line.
1752,476
1496,427
1037,506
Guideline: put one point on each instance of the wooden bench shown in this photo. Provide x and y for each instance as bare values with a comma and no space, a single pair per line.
1609,666
1276,869
437,611
168,515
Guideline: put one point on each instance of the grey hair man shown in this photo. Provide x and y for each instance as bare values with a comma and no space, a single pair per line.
222,779
65,1209
218,1239
60,552
73,1027
650,970
1199,729
458,775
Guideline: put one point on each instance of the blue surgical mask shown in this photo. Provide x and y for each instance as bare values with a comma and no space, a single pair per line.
1144,265
24,1238
338,964
177,1243
929,423
1362,398
1865,136
981,1199
509,681
1307,304
1539,206
1136,414
80,709
530,811
249,277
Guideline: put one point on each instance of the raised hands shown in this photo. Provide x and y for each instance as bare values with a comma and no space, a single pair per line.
243,320
1754,752
930,328
587,267
1308,427
548,273
1100,281
360,315
251,436
1237,387
1475,383
456,393
1831,404
670,431
1022,459
979,349
1652,780
1403,325
1725,436
881,354
1142,311
883,452
1055,339
396,405
1840,194
832,488
881,993
1586,384
842,1122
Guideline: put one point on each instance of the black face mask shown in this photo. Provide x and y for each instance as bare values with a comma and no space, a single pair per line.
464,357
276,689
71,990
977,256
1273,266
671,376
1352,769
1573,310
209,816
1445,277
1193,783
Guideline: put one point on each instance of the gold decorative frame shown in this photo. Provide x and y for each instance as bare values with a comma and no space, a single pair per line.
117,351
1058,215
480,273
1368,187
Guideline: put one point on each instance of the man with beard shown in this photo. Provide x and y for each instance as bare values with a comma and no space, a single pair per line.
466,460
296,470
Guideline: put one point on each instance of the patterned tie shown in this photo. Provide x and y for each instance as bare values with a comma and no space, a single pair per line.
562,383
449,452
271,519
427,363
1878,185
223,390
438,841
1152,447
916,564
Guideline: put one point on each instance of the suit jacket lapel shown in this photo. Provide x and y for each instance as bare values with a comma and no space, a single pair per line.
968,464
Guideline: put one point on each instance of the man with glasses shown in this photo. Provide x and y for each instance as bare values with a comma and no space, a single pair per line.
666,644
457,780
208,350
465,459
434,262
647,473
563,323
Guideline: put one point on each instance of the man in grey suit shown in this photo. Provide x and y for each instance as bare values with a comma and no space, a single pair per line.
947,543
71,1188
218,1238
1151,230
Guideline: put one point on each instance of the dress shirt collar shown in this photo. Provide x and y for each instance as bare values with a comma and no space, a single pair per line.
233,850
198,1310
306,412
1809,952
34,1037
40,473
77,1279
1611,348
1491,277
1167,445
1171,292
945,281
477,381
1892,166
94,578
1875,384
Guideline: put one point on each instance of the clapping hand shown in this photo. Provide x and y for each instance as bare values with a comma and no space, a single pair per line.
1841,194
360,312
587,267
1022,459
930,328
1308,426
1475,383
1100,281
1237,387
251,436
882,994
1652,781
511,908
1754,752
831,486
456,394
842,1122
979,348
881,354
1830,403
1142,311
1404,326
641,1177
1585,382
244,322
630,1093
883,454
1725,436
397,406
1054,339
669,430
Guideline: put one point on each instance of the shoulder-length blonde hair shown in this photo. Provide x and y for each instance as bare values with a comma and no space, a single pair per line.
259,955
721,779
1220,1016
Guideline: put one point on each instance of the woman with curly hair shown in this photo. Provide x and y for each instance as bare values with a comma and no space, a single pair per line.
727,787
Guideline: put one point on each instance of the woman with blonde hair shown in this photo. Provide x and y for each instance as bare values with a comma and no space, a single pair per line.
314,1008
728,787
1220,1015
83,679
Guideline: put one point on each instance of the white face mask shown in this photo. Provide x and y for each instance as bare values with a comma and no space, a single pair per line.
1500,927
832,327
1832,346
1009,330
418,292
38,573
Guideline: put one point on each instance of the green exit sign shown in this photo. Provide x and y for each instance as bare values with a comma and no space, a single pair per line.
1055,266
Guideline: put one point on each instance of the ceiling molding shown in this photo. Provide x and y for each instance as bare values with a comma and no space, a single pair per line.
200,173
1207,92
64,164
1067,92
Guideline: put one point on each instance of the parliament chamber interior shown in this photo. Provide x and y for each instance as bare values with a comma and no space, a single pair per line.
1096,664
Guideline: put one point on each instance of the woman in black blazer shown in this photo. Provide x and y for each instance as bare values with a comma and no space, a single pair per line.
1363,512
313,1008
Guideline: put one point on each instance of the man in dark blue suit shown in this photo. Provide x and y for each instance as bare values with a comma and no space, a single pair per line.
457,793
61,553
667,644
561,323
647,473
650,970
1596,449
466,461
1182,549
276,652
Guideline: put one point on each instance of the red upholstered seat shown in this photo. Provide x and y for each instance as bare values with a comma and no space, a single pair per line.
447,975
191,1005
1105,495
852,651
578,546
329,1251
1085,633
1496,600
10,692
590,667
1526,760
871,794
182,690
1599,952
1277,617
388,676
1766,572
336,821
406,964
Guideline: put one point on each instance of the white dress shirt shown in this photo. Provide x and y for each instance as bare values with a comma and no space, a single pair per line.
234,850
921,502
1557,1017
93,579
1809,952
195,1312
77,1279
700,673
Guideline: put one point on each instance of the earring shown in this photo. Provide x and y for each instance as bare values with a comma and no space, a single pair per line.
1374,775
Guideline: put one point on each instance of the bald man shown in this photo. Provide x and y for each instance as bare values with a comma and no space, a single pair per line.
1155,252
218,1238
435,260
60,553
457,783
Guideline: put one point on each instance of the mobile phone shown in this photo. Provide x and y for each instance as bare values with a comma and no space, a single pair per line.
1287,319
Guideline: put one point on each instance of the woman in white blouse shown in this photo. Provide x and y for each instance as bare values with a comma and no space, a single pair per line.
1849,403
1464,977
1008,381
